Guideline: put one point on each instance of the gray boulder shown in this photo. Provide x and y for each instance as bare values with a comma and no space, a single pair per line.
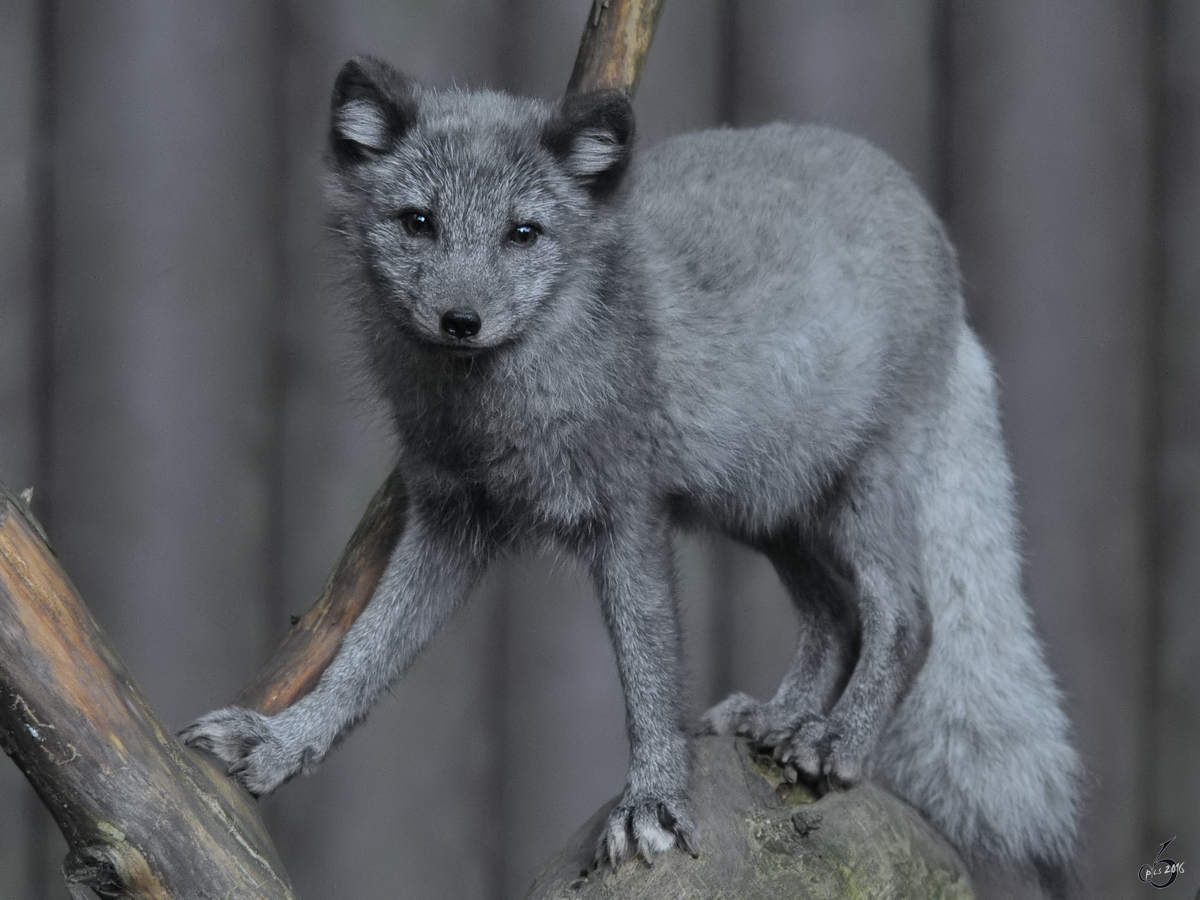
765,837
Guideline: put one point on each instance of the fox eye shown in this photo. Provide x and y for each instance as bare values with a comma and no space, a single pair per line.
524,234
417,222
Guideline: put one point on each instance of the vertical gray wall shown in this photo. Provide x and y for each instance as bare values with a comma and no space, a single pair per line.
25,829
1052,118
1172,711
177,381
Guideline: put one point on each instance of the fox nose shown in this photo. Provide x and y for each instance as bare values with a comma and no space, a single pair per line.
461,323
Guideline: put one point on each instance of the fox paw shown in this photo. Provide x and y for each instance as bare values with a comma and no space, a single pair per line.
645,827
736,714
816,745
251,747
820,750
764,723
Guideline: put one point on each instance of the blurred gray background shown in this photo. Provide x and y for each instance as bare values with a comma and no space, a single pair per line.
177,382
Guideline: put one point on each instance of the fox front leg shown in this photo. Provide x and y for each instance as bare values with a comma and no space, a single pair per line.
633,572
430,573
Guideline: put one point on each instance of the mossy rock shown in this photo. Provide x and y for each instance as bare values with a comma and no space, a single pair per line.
764,837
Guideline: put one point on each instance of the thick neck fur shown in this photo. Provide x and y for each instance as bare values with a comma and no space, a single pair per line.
524,427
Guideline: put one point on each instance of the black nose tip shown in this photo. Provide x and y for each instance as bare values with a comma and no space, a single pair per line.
461,323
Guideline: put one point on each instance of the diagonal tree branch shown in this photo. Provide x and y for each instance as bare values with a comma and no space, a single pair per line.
296,666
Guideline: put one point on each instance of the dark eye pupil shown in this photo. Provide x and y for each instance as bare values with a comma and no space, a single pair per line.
523,234
416,222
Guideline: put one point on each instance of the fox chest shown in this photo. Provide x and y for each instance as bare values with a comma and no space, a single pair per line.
525,483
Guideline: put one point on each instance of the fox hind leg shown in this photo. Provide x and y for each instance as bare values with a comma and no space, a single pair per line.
822,660
872,529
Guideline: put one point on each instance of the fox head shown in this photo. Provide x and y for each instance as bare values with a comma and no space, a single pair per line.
466,213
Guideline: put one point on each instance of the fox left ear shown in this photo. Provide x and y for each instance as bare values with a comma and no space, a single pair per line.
373,107
592,136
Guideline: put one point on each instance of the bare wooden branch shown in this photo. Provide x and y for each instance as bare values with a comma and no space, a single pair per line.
294,669
144,817
615,42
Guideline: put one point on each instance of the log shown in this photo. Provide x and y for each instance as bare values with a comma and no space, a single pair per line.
143,816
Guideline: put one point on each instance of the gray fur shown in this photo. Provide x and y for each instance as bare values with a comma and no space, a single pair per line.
755,332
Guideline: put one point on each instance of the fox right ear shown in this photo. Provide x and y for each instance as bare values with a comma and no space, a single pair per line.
373,107
592,136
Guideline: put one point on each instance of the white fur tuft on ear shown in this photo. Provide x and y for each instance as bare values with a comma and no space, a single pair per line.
362,122
591,136
594,151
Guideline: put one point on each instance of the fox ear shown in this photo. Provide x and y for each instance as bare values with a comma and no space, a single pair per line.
373,107
591,135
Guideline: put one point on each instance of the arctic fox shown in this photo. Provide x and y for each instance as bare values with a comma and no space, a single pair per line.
759,332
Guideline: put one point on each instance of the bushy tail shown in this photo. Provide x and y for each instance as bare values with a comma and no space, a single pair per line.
981,744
